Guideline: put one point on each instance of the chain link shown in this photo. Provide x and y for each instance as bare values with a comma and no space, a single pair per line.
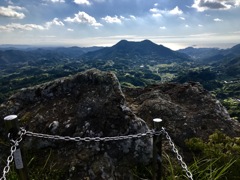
179,157
95,139
13,149
149,133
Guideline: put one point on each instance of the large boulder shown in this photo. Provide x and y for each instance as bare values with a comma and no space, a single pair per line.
187,110
89,104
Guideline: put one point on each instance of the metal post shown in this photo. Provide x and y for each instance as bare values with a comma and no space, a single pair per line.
157,151
12,127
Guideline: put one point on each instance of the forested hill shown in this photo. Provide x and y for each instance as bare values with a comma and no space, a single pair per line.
206,55
144,51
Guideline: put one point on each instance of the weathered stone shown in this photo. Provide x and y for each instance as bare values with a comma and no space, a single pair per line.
89,104
187,110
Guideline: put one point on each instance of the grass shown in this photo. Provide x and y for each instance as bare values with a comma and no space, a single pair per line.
215,159
39,168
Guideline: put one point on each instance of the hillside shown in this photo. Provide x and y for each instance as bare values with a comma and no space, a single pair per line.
12,55
200,53
138,52
211,55
134,90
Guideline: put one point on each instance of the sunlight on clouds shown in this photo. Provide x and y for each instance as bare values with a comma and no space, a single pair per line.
111,20
16,26
29,27
55,21
176,11
154,10
117,19
83,18
162,27
57,1
69,29
82,2
157,15
12,12
217,20
132,17
157,12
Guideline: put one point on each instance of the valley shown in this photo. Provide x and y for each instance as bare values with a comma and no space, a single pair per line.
136,64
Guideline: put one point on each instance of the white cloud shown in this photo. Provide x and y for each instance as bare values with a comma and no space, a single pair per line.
111,20
203,5
86,2
157,12
156,4
200,25
176,11
55,21
69,29
83,18
182,18
12,12
58,1
132,17
187,26
162,27
217,20
157,15
154,10
17,26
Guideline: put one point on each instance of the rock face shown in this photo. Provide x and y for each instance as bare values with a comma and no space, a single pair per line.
187,110
89,104
92,104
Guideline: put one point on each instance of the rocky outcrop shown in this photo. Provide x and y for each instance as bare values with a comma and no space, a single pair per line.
187,110
92,104
89,104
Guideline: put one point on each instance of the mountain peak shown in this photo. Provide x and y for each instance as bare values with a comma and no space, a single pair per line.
138,52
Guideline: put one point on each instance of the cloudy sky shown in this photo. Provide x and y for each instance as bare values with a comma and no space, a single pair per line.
172,23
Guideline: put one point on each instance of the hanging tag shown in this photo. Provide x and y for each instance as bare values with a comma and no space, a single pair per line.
18,159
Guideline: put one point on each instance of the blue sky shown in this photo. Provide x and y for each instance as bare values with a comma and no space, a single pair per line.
172,23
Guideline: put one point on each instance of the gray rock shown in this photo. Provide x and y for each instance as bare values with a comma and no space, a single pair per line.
89,104
187,110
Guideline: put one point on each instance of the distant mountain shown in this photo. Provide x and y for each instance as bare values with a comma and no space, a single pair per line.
200,53
210,55
16,56
143,52
235,50
9,55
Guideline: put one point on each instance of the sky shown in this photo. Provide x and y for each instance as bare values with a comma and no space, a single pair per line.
173,23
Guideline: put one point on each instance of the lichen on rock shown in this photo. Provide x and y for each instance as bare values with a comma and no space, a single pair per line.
88,104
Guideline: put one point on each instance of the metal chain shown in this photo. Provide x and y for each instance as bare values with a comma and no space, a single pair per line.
95,139
88,139
13,148
179,157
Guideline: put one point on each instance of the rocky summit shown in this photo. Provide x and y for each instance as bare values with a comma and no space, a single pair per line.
92,104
